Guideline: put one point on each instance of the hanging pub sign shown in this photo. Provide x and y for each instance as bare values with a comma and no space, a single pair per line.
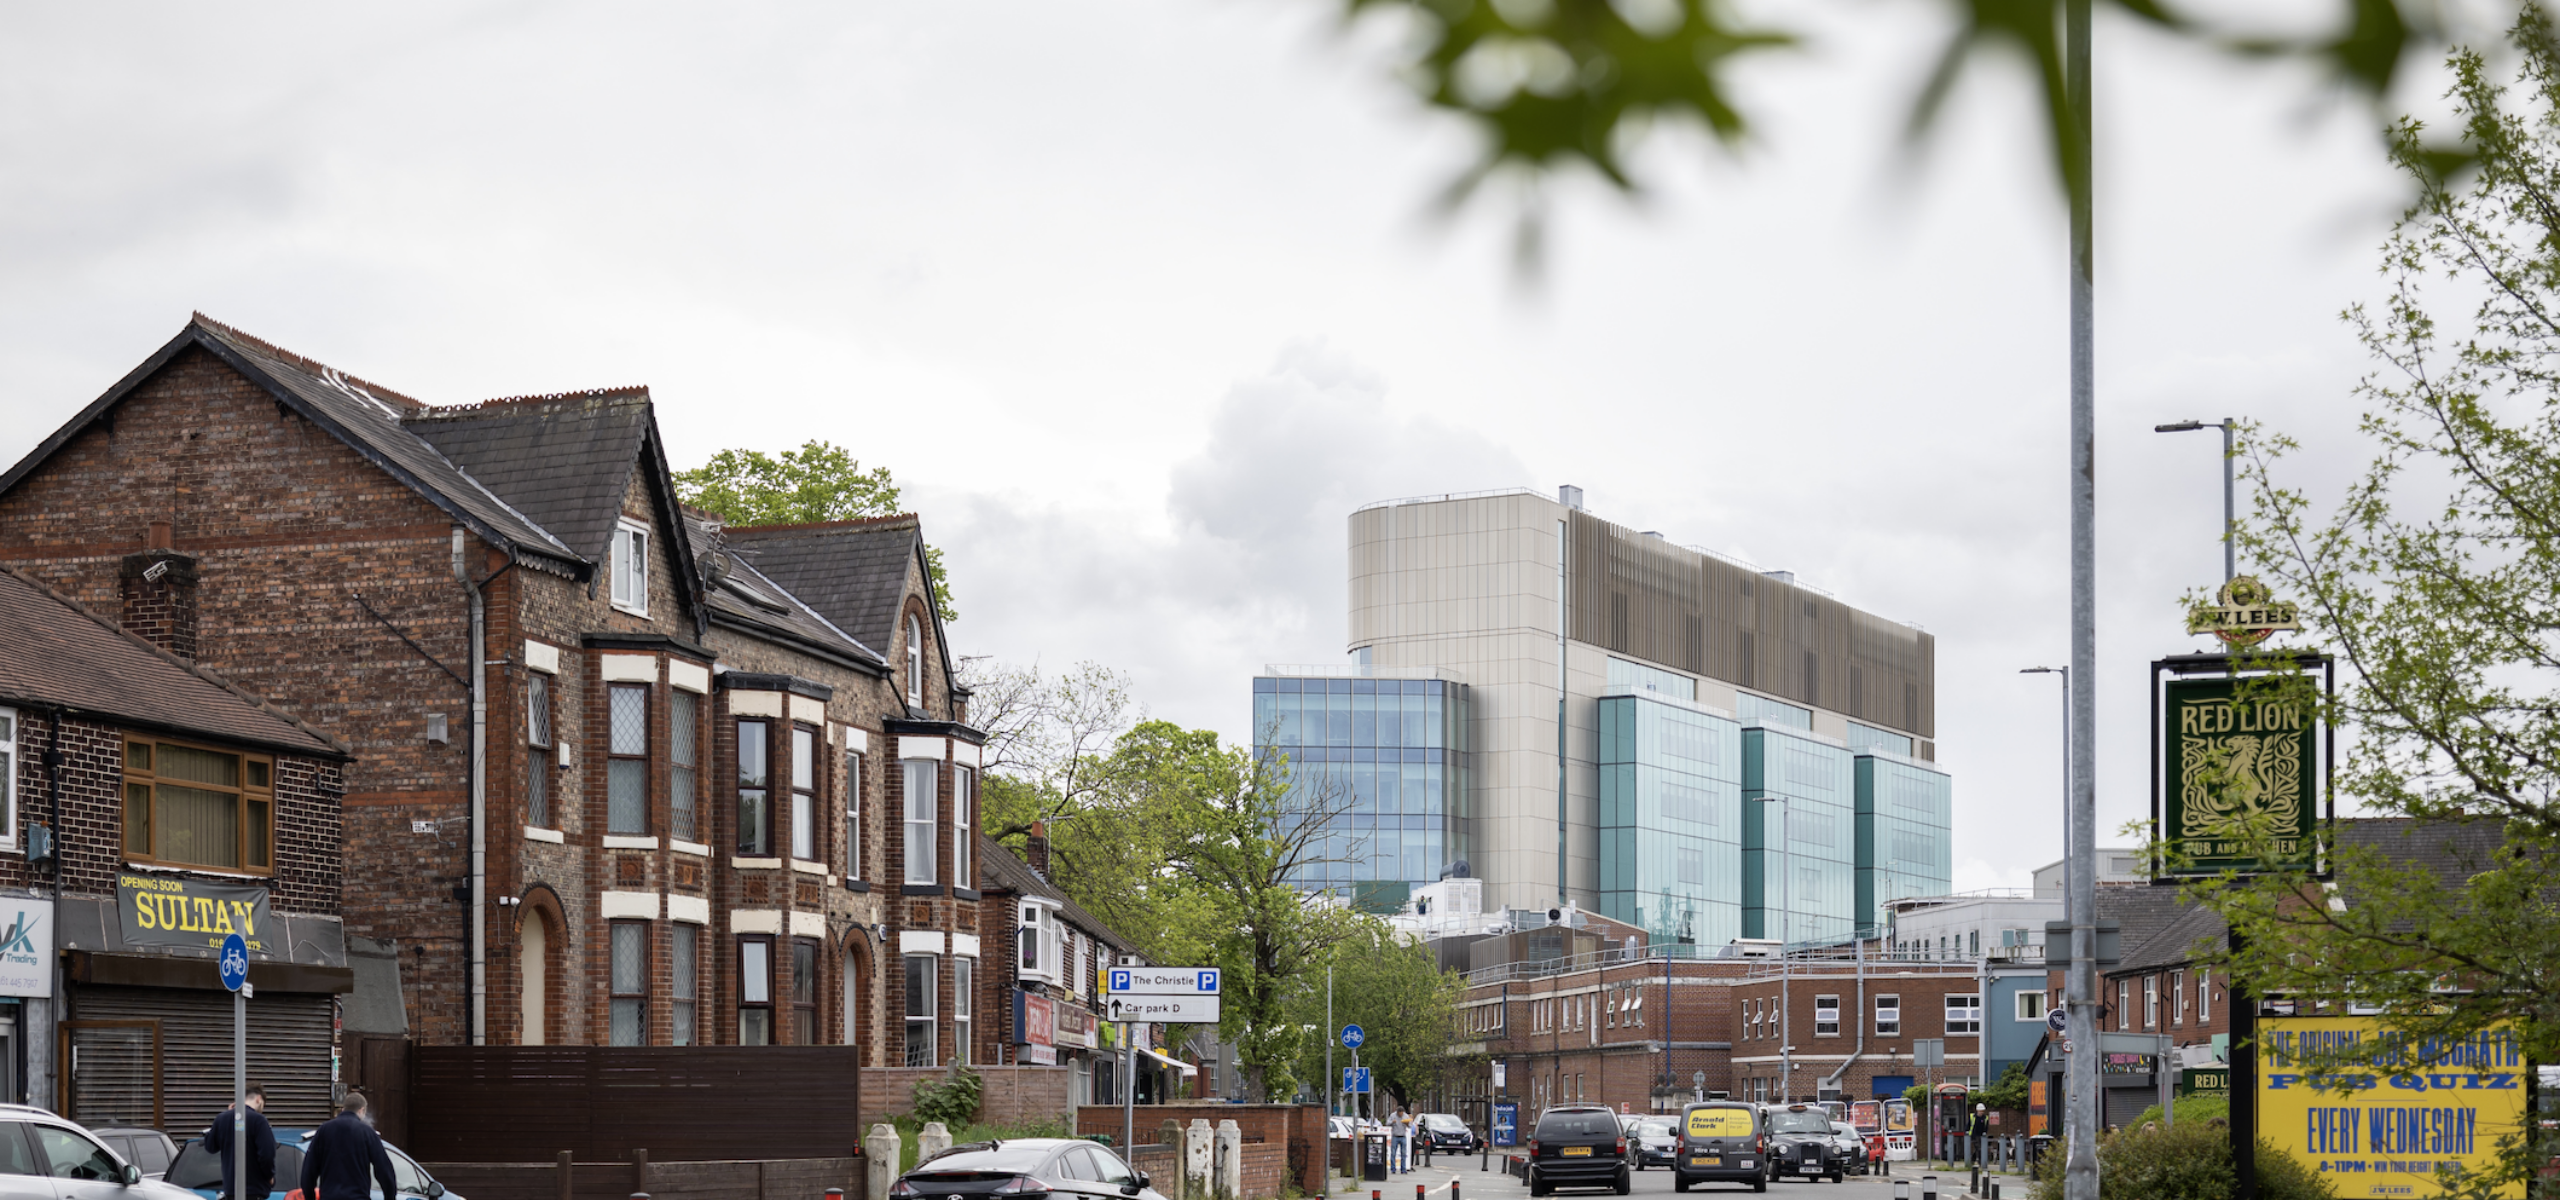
2247,613
165,910
2240,766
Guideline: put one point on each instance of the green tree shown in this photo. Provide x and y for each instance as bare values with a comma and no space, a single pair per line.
820,481
1395,991
2436,583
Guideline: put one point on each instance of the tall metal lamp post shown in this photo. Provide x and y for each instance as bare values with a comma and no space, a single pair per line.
2230,516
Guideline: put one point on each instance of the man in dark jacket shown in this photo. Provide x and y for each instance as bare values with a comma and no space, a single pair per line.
262,1146
341,1156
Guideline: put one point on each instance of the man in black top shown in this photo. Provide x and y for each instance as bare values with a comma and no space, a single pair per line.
341,1156
262,1147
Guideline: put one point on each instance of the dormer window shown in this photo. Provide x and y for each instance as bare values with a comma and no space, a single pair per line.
630,568
915,662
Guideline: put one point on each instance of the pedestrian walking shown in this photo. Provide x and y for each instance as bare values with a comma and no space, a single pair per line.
346,1158
1981,1128
1400,1141
221,1139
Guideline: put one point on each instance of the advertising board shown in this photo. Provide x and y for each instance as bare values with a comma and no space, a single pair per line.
2385,1131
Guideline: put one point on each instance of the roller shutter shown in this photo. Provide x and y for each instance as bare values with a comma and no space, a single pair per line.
289,1054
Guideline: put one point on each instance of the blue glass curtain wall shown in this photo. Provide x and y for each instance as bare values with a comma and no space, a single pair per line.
1388,757
1812,874
1905,810
1670,820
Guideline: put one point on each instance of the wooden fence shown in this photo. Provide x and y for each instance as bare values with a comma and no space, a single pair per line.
771,1179
527,1104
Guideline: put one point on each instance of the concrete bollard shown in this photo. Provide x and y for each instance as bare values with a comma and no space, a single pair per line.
1196,1151
933,1139
880,1150
1230,1183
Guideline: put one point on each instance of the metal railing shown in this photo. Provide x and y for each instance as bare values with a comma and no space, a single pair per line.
1813,961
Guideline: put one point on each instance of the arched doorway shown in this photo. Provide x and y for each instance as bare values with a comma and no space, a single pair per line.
856,1029
538,945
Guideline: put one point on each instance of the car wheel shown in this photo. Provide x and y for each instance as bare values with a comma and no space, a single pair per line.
1835,1177
1626,1182
1679,1182
1537,1187
1761,1184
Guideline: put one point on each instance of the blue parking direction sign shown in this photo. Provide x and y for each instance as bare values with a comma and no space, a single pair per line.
1164,981
1352,1036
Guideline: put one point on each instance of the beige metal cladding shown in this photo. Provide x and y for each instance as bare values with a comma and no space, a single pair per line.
1645,597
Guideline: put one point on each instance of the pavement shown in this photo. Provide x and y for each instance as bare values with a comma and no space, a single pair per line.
1488,1181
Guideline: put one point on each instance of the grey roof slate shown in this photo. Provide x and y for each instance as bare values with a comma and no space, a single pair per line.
565,462
2196,932
854,572
745,596
53,651
1001,870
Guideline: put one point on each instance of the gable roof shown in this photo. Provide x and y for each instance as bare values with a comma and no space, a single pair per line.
739,596
853,571
1000,870
563,461
55,652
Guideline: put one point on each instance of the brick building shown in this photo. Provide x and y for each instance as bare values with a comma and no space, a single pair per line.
1046,954
621,775
148,808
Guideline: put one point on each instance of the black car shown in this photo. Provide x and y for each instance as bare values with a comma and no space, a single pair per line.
1025,1169
1579,1145
1722,1141
1801,1144
1652,1140
1446,1133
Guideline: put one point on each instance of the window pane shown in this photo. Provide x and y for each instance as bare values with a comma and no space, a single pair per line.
257,775
680,802
755,972
804,758
537,709
261,832
683,728
630,719
751,754
853,816
137,756
804,826
629,1023
137,819
753,836
681,958
627,795
921,844
962,971
630,957
919,985
199,766
755,1027
197,826
804,972
537,788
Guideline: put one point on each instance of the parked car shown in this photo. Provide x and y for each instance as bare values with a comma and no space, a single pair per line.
1801,1144
148,1149
1651,1140
34,1142
1448,1134
1722,1141
1853,1146
1025,1169
199,1170
1579,1145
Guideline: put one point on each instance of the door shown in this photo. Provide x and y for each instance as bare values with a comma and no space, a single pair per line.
81,1168
20,1176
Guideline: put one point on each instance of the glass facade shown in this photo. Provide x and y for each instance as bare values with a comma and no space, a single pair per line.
1863,738
1771,712
1388,758
1670,818
1905,809
1801,886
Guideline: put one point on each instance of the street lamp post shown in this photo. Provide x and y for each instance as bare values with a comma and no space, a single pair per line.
2230,516
2065,672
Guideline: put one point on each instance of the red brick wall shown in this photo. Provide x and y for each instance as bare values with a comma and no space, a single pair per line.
1011,1096
1281,1134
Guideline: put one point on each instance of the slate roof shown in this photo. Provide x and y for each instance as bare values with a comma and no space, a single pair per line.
565,462
855,572
745,596
54,652
2196,932
2141,912
2454,850
1000,870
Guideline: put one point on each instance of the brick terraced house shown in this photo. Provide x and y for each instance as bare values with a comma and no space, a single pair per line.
620,775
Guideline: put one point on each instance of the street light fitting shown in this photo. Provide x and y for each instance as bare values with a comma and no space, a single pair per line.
2043,670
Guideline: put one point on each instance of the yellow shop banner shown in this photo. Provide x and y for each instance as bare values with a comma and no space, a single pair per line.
2388,1130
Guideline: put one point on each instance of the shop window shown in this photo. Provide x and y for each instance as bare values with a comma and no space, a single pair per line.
755,829
626,780
804,992
684,757
920,981
923,775
804,793
684,941
629,952
755,991
537,758
186,805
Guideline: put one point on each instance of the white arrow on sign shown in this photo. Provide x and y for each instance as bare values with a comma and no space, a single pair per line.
1187,1010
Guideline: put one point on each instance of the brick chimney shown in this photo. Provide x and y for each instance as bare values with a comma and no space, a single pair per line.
1035,850
158,586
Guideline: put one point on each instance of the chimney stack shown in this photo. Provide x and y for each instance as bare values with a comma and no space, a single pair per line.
158,586
1035,851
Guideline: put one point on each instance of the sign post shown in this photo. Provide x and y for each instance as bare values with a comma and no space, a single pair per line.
234,966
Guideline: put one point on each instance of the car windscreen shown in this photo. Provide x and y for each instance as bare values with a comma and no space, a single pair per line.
1654,1128
1568,1125
1720,1122
1005,1161
1444,1121
1783,1121
197,1167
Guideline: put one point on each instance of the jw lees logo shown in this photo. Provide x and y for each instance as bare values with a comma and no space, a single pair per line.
2247,614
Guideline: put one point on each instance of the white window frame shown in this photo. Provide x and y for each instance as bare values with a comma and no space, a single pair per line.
2028,1006
915,661
2150,1002
964,983
628,567
1964,1019
1826,1025
1035,931
9,776
962,826
920,806
2204,990
2177,999
1888,1015
924,1014
853,817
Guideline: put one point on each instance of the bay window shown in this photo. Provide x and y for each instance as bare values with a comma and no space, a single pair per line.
755,830
684,741
920,971
923,775
626,783
804,793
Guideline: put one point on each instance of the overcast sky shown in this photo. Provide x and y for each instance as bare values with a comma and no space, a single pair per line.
1139,298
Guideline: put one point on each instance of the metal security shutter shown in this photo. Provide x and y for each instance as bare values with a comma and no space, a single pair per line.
2126,1103
289,1049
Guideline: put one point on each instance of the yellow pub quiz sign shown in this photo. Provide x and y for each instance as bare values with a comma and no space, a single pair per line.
2399,1126
2242,771
163,910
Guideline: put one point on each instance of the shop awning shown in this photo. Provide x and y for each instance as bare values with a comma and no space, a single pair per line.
1175,1063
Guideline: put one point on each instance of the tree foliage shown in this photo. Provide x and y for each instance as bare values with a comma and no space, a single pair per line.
1554,85
1407,1007
2436,582
820,481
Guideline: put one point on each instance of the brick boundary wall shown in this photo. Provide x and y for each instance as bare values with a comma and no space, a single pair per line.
1014,1095
1293,1136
